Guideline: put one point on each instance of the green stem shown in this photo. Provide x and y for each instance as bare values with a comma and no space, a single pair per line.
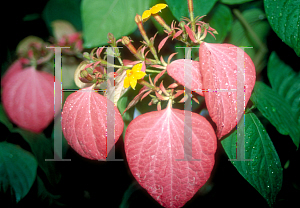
153,71
147,84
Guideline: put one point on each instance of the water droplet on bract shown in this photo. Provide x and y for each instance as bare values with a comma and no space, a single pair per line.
273,109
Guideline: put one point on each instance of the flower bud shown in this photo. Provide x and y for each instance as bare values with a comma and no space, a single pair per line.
83,73
89,70
125,40
182,24
138,18
86,55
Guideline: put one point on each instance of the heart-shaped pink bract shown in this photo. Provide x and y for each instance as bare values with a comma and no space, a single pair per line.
16,67
176,70
154,147
28,98
84,124
219,69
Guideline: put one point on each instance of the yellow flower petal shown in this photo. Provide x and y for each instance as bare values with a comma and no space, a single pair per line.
137,67
126,82
133,83
139,75
128,72
157,8
146,15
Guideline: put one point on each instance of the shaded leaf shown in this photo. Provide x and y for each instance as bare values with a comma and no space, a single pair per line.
285,82
277,110
117,17
179,8
284,19
17,170
42,148
220,18
264,173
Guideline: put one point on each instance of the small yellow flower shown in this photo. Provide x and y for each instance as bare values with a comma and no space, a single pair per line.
154,10
133,75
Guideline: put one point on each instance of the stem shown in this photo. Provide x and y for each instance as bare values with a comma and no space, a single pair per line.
153,71
191,11
262,47
147,84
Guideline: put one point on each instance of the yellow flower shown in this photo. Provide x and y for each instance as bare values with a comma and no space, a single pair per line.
154,10
133,75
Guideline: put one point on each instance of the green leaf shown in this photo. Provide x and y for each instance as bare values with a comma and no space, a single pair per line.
4,119
179,8
285,82
68,10
284,19
264,173
234,1
277,110
220,18
42,148
239,36
17,170
102,17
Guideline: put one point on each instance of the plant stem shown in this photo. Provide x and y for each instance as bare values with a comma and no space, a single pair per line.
147,84
153,71
191,11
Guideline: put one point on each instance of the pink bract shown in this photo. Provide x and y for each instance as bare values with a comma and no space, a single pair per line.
218,67
28,99
84,123
176,70
154,146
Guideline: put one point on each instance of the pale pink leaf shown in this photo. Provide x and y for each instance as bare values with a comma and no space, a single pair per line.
177,70
218,66
28,99
154,147
84,123
16,67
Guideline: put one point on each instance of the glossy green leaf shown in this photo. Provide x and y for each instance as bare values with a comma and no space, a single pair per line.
239,36
4,119
17,170
264,173
179,8
277,110
42,148
102,17
284,17
220,18
68,10
234,1
285,82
